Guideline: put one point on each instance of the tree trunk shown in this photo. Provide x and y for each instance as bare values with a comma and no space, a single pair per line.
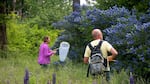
14,6
75,2
21,10
3,37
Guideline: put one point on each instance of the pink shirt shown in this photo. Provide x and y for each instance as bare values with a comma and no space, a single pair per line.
44,54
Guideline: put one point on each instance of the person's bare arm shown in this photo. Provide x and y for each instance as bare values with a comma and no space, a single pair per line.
114,53
86,60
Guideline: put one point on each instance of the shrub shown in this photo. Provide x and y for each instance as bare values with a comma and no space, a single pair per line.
23,37
125,30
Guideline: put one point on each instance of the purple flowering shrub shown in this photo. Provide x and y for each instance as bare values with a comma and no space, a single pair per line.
105,18
132,39
73,34
125,30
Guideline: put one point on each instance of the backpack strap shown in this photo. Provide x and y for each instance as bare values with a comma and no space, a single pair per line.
92,48
99,45
95,47
88,70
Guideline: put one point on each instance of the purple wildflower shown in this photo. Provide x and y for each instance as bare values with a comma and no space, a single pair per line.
49,82
26,77
8,82
54,78
131,78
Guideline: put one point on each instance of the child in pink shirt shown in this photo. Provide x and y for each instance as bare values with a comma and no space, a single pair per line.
45,52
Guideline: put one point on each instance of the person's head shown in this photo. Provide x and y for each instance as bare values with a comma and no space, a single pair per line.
97,34
46,39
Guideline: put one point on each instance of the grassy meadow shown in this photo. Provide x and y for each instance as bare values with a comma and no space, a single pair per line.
12,71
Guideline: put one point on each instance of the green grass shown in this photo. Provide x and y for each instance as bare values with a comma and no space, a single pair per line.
12,71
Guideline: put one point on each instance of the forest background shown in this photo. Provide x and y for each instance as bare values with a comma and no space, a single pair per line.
23,23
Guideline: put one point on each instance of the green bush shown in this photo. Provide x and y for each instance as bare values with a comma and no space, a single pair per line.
25,38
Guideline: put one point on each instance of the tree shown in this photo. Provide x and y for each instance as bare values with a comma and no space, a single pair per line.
3,37
15,6
140,5
75,3
45,12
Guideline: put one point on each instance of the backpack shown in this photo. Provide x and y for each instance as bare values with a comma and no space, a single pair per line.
97,62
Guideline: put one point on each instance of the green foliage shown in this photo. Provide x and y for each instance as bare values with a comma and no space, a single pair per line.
22,37
16,34
45,12
122,76
140,5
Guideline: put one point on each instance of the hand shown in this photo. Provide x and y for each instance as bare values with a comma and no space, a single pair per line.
54,51
110,58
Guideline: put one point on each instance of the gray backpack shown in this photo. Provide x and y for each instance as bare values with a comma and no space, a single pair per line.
97,62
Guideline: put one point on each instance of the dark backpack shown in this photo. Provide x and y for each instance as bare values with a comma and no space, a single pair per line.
97,62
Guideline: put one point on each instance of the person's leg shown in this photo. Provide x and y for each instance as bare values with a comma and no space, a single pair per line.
107,76
44,65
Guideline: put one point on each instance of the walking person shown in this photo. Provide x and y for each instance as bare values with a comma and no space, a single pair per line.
104,48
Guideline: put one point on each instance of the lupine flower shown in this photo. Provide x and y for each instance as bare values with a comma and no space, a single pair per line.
54,78
49,82
131,78
26,77
8,82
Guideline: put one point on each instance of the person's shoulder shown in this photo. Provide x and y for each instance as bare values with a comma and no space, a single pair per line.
104,41
93,41
44,44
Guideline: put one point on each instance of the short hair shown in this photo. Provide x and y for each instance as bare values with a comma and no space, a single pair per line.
97,32
45,39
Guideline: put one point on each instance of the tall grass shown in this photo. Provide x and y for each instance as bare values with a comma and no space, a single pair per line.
12,71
